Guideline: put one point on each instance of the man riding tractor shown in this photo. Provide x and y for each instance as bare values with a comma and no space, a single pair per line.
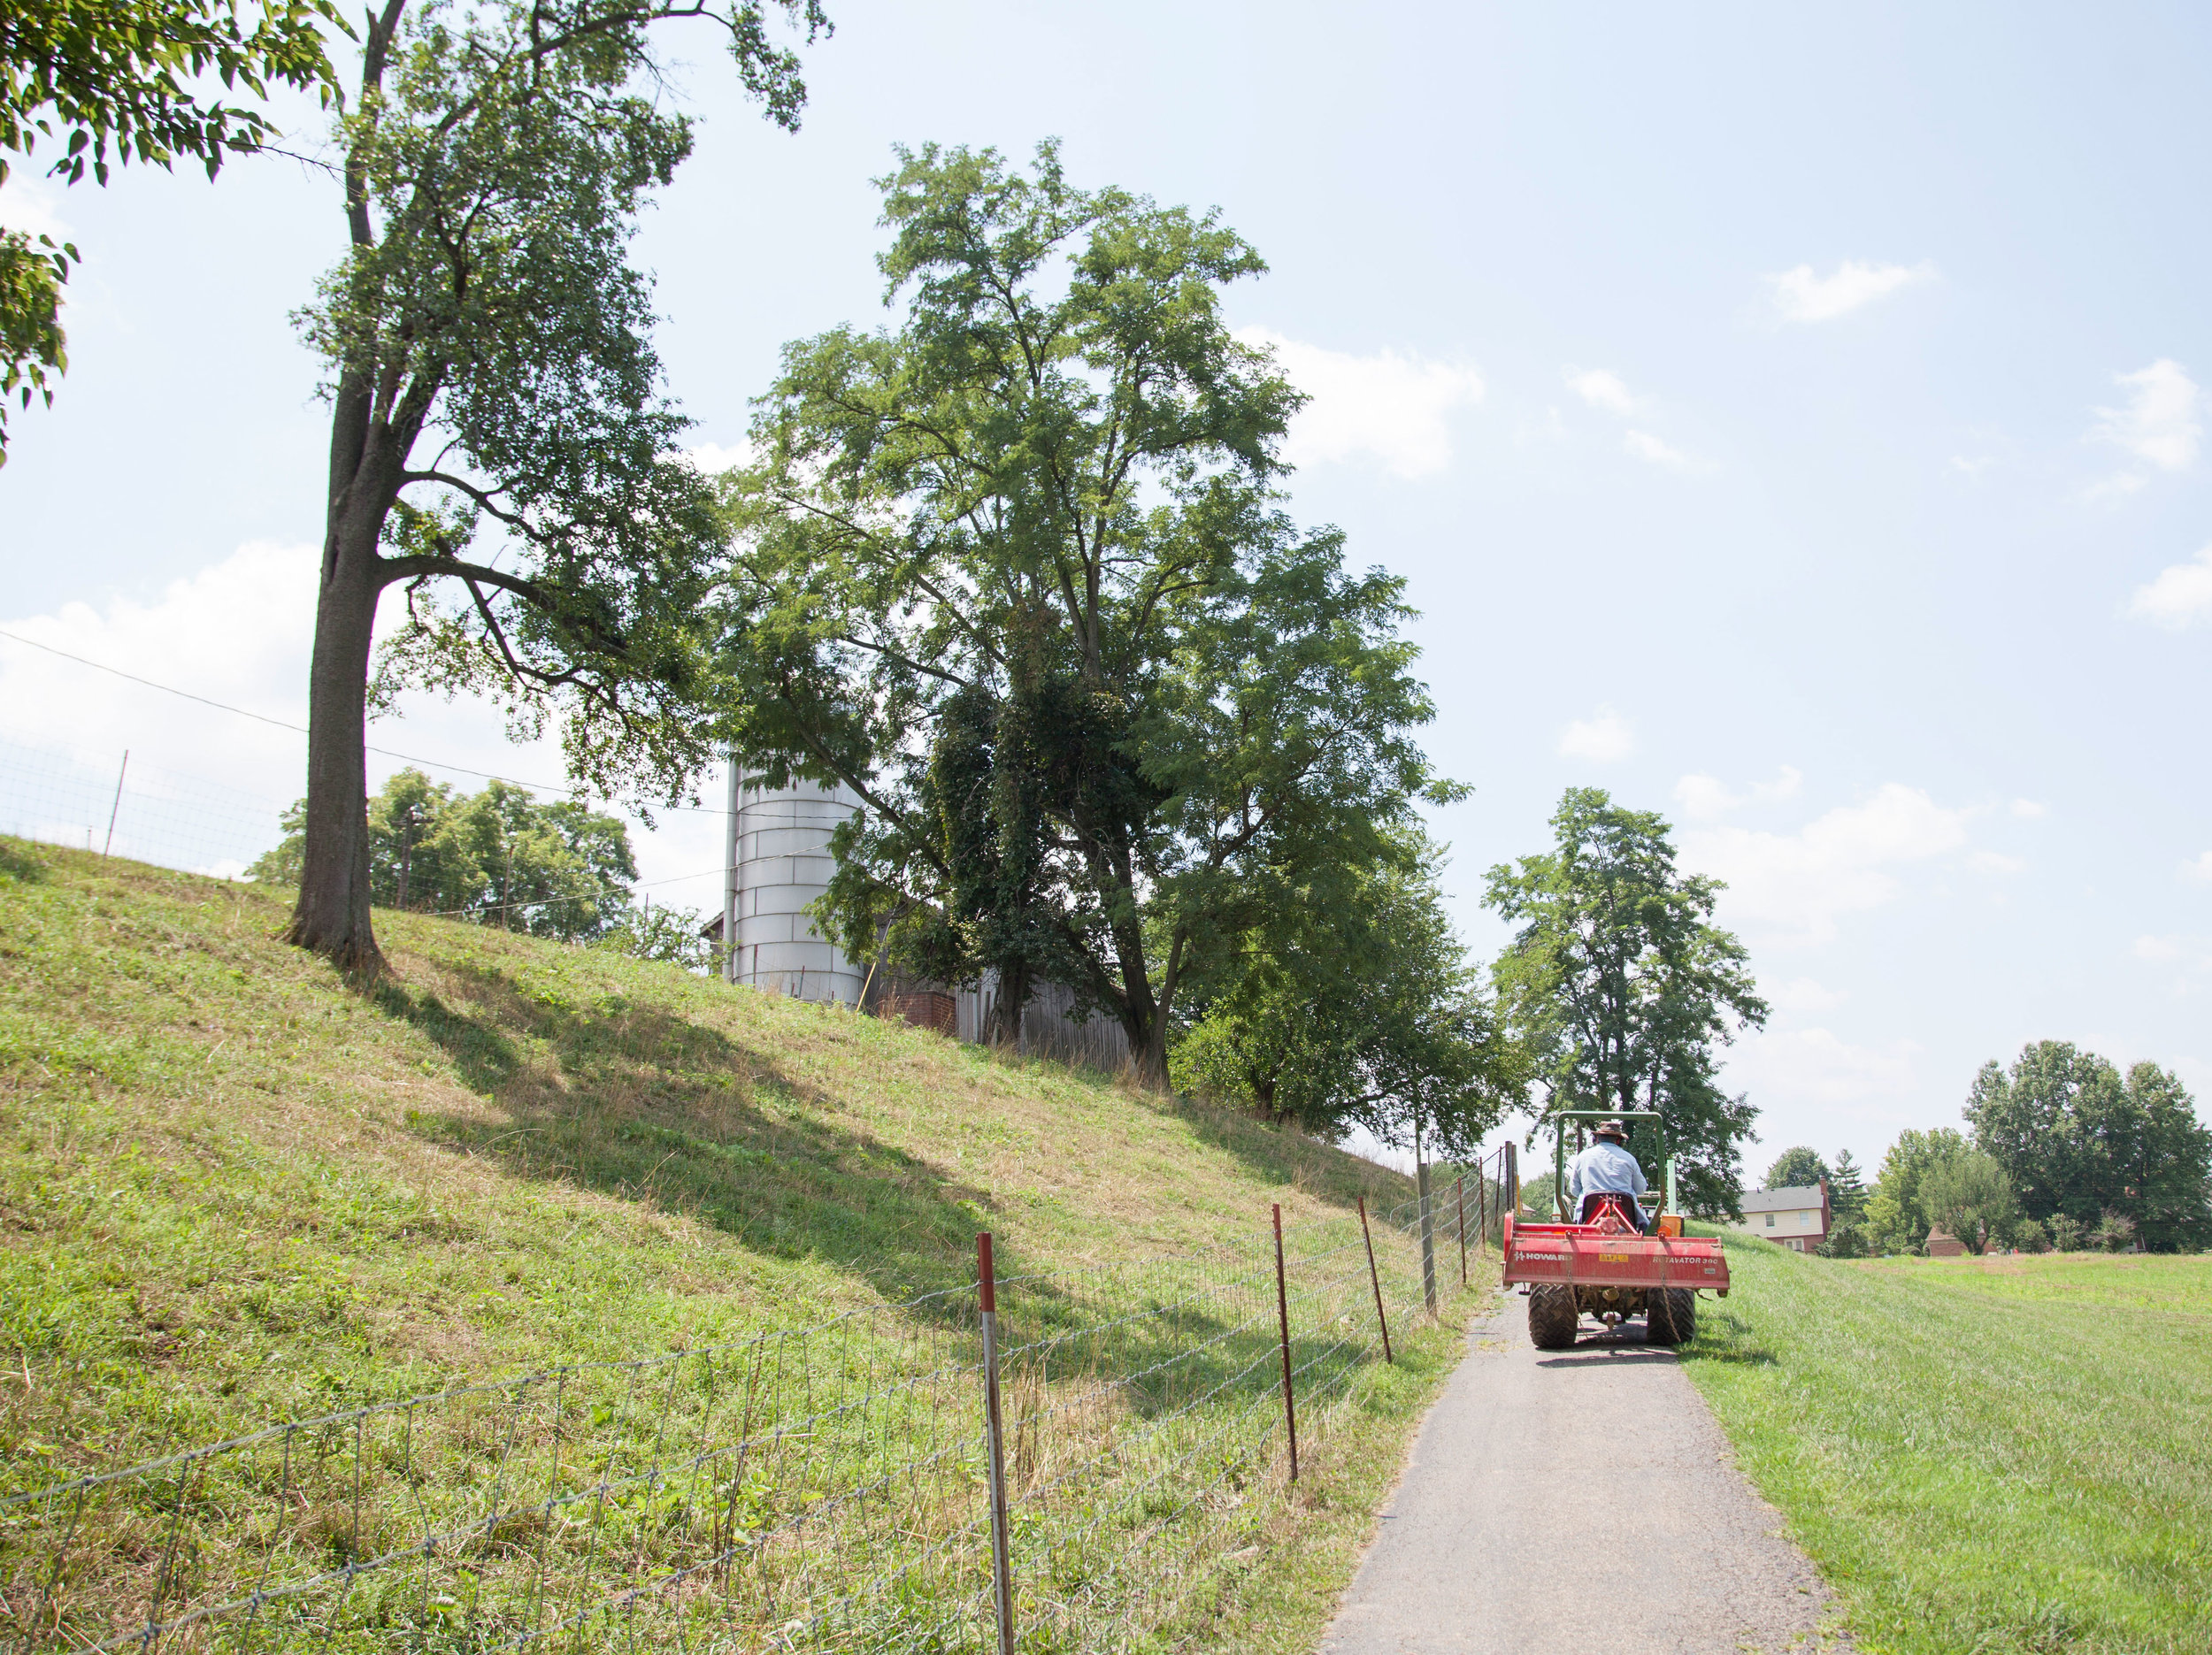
1600,1257
1606,1169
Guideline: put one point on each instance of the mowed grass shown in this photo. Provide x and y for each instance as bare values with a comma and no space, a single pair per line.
235,1190
1981,1454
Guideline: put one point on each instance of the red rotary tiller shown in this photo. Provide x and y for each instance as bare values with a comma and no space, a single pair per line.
1606,1268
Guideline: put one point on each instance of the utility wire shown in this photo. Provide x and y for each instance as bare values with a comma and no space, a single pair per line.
462,769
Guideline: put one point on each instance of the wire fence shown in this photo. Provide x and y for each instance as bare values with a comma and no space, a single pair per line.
829,1488
136,809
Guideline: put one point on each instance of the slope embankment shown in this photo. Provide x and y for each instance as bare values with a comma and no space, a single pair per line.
236,1191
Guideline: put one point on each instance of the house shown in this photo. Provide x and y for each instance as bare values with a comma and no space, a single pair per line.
1942,1244
1796,1216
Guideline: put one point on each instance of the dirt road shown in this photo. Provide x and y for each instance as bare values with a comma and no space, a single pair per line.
1580,1501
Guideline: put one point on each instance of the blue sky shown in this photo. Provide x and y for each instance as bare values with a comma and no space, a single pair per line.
1787,420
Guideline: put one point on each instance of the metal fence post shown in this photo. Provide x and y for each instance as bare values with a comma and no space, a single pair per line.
1002,1566
1375,1281
1460,1198
1428,1238
1282,1317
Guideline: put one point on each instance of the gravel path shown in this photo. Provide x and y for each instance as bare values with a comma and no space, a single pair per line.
1579,1500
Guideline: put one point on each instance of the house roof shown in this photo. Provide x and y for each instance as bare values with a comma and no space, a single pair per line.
1789,1198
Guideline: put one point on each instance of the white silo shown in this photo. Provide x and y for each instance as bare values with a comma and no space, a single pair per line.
780,862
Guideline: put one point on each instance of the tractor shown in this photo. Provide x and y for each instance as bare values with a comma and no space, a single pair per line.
1605,1267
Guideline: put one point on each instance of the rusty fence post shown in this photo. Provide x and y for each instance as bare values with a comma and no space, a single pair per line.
1461,1198
1375,1281
1282,1318
1001,1565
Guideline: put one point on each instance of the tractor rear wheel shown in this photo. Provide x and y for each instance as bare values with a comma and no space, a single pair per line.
1552,1316
1670,1315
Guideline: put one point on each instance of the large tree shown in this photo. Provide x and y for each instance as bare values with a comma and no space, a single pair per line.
1621,985
1017,572
498,431
98,80
1896,1217
2080,1141
1354,1005
1797,1166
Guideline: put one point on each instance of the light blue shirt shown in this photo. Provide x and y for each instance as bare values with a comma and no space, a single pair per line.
1604,1165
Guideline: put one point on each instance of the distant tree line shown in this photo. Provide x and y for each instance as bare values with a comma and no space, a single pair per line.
2063,1152
502,857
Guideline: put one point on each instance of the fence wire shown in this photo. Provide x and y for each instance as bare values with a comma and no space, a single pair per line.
818,1489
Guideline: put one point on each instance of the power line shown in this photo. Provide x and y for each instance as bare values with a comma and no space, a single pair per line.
461,769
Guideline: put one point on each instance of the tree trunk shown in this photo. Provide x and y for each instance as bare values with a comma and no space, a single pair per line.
1006,1009
333,914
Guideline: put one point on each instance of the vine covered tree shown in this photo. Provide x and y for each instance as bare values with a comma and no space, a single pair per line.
1621,986
117,80
491,379
1017,572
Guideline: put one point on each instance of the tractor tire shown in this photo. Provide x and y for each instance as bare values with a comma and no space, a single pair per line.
1670,1315
1552,1316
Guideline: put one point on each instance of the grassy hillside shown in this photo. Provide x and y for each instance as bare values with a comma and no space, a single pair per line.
234,1190
2003,1455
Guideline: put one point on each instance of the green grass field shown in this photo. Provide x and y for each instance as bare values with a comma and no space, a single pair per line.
234,1190
1988,1455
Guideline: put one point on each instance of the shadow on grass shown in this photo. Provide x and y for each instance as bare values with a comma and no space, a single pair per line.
1726,1338
19,863
1285,1156
652,1107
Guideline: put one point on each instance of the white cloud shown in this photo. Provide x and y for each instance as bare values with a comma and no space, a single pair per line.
1391,407
1601,737
1784,1068
2180,596
1702,798
1802,297
1802,993
32,207
2199,868
206,787
2159,425
1794,887
1602,390
2158,950
1973,466
1646,447
712,457
1995,862
2029,808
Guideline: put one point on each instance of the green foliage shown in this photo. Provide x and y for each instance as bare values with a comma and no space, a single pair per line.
498,857
1017,572
497,160
1969,1197
1896,1220
1795,1166
1354,1005
670,935
1847,1187
2079,1139
1621,987
118,78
